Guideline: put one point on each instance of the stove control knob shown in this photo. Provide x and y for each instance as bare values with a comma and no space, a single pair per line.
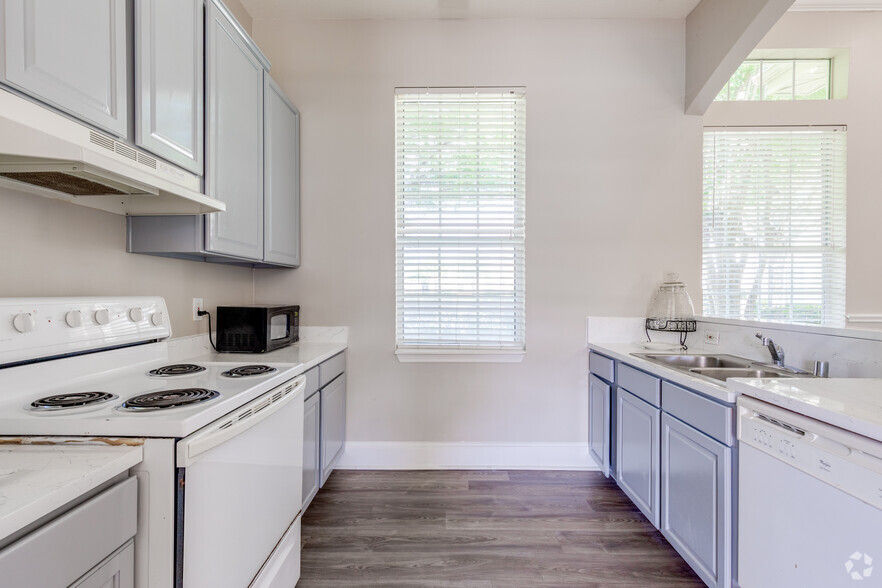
74,318
136,314
158,319
102,316
24,322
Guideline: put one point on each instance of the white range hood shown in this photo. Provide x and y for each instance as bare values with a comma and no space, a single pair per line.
45,153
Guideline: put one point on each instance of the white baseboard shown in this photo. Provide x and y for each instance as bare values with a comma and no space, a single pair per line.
361,455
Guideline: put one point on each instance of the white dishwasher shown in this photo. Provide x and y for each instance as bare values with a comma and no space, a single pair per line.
810,502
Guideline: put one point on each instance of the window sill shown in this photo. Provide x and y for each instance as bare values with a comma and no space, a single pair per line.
460,355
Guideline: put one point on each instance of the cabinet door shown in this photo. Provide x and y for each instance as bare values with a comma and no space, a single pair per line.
234,174
637,452
169,77
71,55
311,448
599,421
281,177
333,424
117,571
696,476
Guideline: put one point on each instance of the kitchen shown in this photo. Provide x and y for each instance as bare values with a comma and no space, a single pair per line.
600,235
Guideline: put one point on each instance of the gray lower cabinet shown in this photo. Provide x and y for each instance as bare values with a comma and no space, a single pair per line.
333,424
90,545
324,426
599,406
696,477
311,448
70,55
117,571
637,452
169,80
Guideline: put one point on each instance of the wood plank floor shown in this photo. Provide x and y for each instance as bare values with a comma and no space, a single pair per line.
482,529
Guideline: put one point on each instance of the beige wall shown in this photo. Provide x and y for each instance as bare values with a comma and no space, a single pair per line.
613,201
52,248
861,32
240,13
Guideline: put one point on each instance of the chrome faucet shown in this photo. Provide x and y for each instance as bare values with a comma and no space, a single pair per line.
776,350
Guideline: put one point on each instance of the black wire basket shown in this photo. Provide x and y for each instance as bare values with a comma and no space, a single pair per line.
682,326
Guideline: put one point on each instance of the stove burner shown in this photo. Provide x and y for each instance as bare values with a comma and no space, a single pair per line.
169,399
74,400
178,369
248,370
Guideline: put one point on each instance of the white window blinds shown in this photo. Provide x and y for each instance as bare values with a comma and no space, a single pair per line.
459,208
774,224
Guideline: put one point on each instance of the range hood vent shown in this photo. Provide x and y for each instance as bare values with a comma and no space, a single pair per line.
49,154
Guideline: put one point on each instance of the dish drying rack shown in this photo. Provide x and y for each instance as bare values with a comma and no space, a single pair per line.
681,326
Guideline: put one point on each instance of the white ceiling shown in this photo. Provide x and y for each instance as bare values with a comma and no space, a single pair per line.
417,9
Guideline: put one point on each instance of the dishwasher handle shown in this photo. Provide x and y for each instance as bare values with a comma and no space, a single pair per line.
190,448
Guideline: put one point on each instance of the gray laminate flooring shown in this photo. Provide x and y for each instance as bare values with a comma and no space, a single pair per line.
482,529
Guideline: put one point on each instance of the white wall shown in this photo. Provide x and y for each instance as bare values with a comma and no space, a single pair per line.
861,33
613,201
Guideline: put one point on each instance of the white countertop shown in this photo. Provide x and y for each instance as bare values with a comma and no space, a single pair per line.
623,351
307,354
37,479
854,404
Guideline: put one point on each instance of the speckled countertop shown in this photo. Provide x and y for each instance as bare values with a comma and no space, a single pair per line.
37,479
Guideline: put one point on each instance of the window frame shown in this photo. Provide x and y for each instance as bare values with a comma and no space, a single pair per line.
833,313
408,192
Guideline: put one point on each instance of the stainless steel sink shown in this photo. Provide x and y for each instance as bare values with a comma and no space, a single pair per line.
719,367
696,360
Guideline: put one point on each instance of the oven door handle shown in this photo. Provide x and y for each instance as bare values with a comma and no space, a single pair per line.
238,421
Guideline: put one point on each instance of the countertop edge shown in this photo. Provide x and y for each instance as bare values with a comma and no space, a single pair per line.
52,496
622,352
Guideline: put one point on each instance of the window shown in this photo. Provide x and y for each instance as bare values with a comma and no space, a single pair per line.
773,224
779,79
459,209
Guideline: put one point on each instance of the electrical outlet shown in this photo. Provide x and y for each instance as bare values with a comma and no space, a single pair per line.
712,337
197,306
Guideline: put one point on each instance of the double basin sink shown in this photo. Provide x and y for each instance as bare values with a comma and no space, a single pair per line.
720,367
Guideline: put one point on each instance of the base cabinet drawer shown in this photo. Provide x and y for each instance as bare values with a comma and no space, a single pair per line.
637,452
696,477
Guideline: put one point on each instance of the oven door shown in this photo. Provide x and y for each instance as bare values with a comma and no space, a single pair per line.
239,486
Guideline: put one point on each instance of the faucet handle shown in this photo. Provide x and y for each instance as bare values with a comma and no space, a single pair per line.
765,340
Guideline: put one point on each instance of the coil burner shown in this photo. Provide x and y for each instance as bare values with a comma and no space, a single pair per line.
178,369
169,399
73,400
248,370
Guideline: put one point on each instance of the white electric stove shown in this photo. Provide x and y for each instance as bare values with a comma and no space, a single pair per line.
219,488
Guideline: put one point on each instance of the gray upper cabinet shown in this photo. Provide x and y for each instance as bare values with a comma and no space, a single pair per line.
281,177
234,174
71,55
169,80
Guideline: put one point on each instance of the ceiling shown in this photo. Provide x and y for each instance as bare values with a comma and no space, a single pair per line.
428,9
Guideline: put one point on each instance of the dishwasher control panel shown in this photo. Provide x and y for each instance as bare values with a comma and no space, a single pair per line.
839,458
